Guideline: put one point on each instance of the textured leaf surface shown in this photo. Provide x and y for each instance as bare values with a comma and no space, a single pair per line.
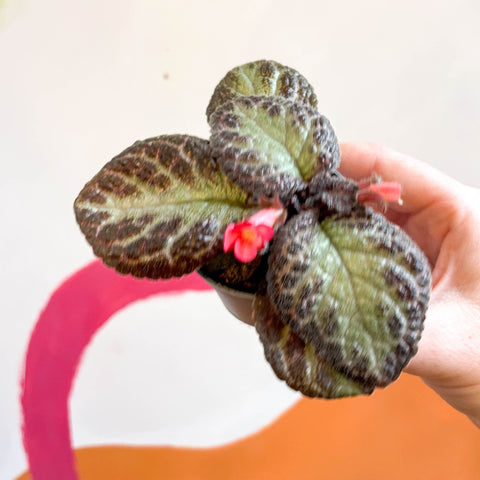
159,209
262,78
332,194
271,145
354,287
295,361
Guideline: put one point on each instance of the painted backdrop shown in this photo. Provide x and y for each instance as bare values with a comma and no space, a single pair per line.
80,81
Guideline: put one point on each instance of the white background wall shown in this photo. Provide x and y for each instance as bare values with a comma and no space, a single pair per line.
80,81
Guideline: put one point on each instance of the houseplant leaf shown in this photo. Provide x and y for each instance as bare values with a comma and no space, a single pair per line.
272,146
262,78
159,209
297,362
355,287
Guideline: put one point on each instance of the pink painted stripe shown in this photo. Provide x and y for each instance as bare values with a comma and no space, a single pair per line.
74,313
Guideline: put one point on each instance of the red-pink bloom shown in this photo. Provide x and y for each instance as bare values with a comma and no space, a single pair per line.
250,236
246,240
383,192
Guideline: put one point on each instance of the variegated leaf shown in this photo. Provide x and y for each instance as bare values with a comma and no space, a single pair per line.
272,146
159,209
331,194
263,78
356,287
297,362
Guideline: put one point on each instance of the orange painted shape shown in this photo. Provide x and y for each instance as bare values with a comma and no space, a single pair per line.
403,432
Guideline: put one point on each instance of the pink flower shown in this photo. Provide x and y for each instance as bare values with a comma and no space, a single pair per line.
375,190
250,236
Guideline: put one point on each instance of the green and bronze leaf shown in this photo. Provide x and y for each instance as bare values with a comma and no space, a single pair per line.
355,288
331,194
272,146
297,362
159,209
262,78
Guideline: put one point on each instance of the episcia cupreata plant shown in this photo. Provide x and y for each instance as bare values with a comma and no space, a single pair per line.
340,293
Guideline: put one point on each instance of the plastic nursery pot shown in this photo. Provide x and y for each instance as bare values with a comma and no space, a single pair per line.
238,303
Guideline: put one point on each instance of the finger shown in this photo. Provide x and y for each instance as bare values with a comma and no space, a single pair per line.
422,185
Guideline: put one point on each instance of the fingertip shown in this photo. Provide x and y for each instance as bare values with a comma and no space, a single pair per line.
421,183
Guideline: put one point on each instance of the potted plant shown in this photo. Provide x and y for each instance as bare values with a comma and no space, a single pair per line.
337,293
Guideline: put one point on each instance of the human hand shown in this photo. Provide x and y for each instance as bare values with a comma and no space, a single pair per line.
443,217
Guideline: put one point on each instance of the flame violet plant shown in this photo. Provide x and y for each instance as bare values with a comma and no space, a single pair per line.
339,293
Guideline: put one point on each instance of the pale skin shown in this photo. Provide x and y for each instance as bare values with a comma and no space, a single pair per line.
443,218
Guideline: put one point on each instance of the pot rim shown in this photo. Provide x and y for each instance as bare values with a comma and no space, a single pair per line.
237,302
225,288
